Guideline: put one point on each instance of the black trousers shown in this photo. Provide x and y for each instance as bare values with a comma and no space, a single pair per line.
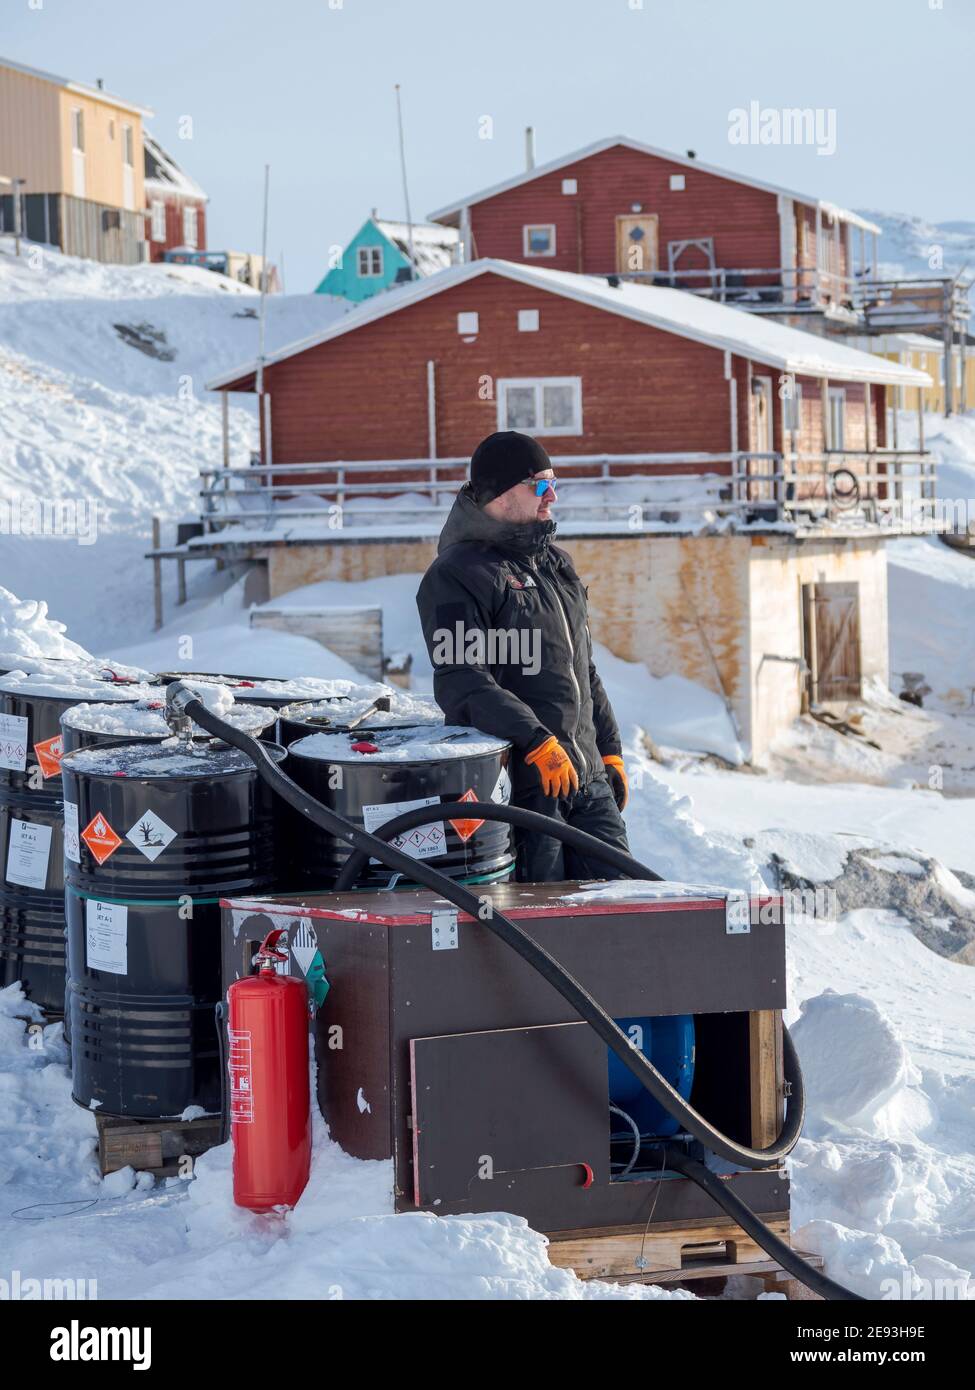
540,859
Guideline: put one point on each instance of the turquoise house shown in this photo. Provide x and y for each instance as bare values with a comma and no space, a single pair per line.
383,254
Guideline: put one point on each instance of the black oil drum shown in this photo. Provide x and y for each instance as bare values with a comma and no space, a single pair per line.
165,833
410,767
107,726
393,709
32,824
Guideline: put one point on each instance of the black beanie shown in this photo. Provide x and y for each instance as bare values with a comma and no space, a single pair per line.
503,460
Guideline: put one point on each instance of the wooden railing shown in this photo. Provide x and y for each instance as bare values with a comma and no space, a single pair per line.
885,305
877,486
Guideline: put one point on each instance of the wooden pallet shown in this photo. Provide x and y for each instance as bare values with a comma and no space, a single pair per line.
154,1146
678,1254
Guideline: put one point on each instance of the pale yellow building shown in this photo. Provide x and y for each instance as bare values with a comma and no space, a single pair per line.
78,151
928,355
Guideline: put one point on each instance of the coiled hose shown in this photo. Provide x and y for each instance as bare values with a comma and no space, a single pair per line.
186,703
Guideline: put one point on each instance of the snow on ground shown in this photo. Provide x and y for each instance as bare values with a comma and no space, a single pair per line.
106,421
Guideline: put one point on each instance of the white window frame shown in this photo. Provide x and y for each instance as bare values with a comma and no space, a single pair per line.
528,321
678,183
570,186
78,129
367,255
505,384
128,145
468,323
191,218
526,231
157,209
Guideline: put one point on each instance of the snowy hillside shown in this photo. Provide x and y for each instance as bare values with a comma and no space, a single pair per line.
102,372
913,246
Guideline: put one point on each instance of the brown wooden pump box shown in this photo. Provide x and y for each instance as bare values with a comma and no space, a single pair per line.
438,1047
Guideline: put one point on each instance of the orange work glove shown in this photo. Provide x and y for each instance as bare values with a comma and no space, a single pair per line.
618,782
554,767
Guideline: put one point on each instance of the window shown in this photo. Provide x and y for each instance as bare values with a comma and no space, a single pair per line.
837,417
570,186
158,210
543,405
370,261
677,183
527,320
128,145
77,129
468,323
189,227
540,240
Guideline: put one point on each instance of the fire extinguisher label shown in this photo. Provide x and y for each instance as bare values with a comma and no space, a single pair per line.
241,1077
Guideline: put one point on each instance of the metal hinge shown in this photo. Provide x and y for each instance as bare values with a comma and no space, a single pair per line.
737,918
443,931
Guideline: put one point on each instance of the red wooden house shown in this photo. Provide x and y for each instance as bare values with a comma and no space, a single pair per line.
619,205
725,480
175,204
616,377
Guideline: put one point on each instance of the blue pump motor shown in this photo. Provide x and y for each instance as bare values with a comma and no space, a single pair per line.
667,1042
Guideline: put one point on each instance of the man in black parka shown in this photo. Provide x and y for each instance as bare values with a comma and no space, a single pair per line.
505,620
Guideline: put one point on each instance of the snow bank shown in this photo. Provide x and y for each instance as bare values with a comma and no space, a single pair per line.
27,631
932,617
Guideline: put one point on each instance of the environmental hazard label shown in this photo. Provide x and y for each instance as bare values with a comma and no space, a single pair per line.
150,835
424,842
100,838
49,756
13,742
72,840
466,828
502,788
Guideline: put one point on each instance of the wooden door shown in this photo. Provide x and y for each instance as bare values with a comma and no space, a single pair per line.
636,243
831,628
761,438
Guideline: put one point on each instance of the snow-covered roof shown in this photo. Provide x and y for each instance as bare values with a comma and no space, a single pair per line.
674,311
82,88
164,174
434,246
831,209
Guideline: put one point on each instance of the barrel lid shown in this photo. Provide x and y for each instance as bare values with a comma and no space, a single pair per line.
74,682
404,745
272,688
59,666
163,762
338,711
145,718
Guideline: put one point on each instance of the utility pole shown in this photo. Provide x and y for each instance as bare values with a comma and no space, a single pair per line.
406,191
263,414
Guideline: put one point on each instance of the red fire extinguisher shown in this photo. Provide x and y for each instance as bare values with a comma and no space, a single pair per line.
270,1124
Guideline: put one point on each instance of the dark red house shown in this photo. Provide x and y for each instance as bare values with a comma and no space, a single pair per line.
175,204
624,377
622,206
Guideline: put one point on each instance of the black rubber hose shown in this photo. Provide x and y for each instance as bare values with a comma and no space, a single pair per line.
679,1162
509,815
178,697
579,998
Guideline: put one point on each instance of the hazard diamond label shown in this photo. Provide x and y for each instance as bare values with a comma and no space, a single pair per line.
49,756
100,838
150,835
465,828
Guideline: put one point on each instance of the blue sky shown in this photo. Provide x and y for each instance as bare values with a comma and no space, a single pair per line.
308,86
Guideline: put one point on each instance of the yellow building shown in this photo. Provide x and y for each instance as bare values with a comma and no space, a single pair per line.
928,355
76,154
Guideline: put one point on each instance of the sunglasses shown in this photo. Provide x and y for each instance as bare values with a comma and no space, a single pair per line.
542,485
